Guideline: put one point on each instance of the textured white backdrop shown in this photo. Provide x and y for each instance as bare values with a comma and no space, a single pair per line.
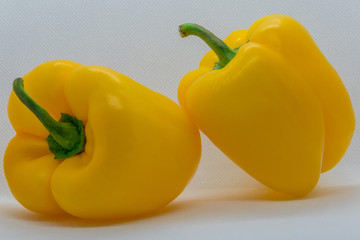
140,39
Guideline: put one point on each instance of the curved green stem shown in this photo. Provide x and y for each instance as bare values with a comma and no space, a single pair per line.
223,51
66,137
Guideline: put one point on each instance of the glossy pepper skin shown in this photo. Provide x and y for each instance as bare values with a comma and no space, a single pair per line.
276,107
141,149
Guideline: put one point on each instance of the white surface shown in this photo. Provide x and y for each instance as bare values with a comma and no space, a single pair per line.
329,213
140,39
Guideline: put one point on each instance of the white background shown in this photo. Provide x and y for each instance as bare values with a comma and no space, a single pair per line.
140,39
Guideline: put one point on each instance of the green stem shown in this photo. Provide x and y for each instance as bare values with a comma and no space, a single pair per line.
223,51
66,136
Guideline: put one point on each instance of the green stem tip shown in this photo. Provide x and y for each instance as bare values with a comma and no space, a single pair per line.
67,136
223,51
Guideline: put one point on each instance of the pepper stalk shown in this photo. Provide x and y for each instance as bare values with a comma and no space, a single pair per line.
67,136
223,51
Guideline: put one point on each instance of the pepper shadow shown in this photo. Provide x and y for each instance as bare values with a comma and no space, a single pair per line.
22,214
238,204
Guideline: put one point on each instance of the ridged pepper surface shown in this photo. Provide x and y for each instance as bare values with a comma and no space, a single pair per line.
270,100
120,150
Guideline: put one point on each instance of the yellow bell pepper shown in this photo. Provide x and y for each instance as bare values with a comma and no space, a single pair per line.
268,98
119,149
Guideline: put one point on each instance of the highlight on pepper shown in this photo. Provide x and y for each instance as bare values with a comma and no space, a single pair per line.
93,143
269,99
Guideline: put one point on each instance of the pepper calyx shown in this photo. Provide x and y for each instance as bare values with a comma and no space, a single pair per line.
218,65
61,152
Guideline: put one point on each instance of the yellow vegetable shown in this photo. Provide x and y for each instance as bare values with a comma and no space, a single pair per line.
121,150
269,99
